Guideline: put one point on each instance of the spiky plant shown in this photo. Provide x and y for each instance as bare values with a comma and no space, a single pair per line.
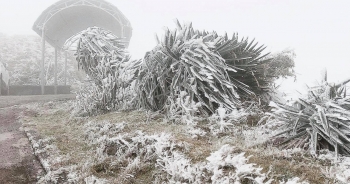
255,73
103,57
320,120
212,70
97,48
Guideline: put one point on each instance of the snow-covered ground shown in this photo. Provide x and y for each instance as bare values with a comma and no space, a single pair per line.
143,147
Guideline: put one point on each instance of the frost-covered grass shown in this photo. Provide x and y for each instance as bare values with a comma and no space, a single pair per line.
340,169
143,147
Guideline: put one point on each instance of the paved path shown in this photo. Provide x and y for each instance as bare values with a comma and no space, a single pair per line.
17,163
6,101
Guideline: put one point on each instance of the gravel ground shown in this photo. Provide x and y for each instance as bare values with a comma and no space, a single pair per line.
17,163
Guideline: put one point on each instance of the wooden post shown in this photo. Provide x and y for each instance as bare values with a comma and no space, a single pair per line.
42,68
65,67
55,71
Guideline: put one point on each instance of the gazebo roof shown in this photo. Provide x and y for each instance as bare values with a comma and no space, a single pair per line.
66,18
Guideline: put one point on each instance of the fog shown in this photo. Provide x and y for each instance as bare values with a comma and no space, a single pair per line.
318,31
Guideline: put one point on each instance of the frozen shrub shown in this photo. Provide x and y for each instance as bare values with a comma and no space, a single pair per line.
103,58
211,70
319,120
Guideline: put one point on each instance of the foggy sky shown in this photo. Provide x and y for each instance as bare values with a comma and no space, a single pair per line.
318,30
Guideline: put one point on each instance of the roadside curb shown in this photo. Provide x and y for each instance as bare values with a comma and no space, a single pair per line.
36,145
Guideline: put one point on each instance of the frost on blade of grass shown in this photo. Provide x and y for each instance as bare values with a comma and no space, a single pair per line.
222,166
177,168
94,131
127,154
195,132
258,135
294,180
94,180
222,121
61,175
182,109
340,169
343,170
235,165
227,121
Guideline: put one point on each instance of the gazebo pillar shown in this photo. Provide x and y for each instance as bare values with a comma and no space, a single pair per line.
55,70
65,67
42,68
0,82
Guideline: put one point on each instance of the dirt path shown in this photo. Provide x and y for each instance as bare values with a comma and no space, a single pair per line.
17,163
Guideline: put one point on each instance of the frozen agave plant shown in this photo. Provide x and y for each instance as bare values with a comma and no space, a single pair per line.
103,57
322,120
212,70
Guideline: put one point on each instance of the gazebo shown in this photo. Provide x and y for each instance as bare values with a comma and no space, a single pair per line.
66,18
